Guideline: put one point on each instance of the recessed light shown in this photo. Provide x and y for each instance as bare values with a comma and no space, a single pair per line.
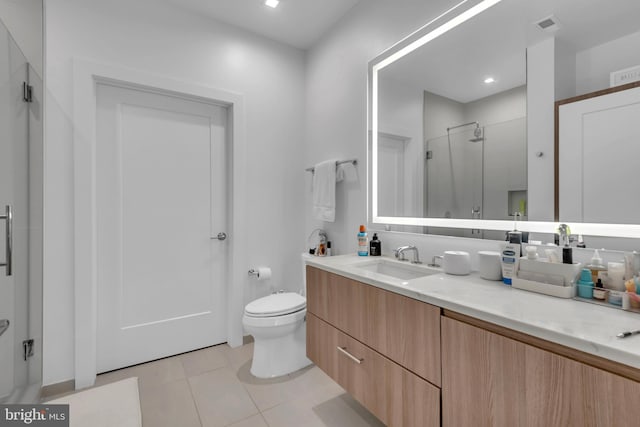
489,80
272,3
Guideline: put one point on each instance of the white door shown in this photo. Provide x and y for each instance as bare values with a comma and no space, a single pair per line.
391,174
14,185
598,158
161,201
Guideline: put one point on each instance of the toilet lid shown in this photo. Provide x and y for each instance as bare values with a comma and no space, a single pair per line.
276,305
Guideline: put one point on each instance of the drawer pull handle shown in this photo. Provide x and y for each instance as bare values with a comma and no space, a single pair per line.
344,351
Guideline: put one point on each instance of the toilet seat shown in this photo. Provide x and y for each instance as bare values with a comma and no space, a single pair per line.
279,304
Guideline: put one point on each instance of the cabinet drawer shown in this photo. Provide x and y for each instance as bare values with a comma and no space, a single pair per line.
393,394
405,330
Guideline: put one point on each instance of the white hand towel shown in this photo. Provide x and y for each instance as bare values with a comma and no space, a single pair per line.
324,191
347,172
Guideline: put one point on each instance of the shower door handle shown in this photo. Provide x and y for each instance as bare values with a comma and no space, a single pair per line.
8,217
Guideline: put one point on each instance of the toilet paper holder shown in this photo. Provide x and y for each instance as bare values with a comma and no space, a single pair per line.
261,273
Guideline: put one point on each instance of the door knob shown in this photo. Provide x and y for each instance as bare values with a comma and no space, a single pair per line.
221,236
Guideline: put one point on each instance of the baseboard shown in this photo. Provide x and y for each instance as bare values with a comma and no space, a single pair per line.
56,389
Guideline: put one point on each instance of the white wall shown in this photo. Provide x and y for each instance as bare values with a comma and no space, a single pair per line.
594,65
23,19
501,107
158,39
540,130
336,99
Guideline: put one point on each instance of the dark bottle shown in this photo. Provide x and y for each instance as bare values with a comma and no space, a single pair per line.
375,246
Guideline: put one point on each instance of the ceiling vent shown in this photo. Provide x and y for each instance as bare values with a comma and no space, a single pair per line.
548,24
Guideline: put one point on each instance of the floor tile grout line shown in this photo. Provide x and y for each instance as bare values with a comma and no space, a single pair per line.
195,404
244,387
264,419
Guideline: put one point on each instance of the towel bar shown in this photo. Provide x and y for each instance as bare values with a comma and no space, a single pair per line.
339,162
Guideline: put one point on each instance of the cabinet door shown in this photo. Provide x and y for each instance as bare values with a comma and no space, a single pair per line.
491,380
393,394
403,329
338,301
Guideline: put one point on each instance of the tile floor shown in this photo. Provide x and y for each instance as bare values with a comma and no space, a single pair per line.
212,387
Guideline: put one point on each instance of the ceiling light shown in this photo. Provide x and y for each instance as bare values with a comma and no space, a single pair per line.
489,80
272,3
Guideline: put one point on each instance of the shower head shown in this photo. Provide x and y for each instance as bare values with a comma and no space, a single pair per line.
477,133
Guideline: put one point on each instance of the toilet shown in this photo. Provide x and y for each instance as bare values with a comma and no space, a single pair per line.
277,323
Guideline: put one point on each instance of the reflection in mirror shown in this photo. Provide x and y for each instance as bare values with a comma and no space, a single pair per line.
602,128
450,144
433,175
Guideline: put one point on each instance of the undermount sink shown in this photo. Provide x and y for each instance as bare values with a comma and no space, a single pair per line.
397,270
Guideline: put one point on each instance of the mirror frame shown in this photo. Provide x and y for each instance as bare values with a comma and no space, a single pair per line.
450,19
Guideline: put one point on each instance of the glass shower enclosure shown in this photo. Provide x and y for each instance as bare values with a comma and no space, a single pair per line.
20,225
477,173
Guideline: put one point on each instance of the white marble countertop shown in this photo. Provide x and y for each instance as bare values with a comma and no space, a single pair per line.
586,327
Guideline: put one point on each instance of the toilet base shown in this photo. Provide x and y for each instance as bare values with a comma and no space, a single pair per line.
276,356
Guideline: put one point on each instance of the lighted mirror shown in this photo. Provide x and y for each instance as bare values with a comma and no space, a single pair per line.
451,112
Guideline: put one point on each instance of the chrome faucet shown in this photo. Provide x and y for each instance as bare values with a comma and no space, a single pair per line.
565,234
433,261
399,252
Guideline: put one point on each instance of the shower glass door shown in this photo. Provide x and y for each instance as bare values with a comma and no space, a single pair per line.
20,243
454,174
469,176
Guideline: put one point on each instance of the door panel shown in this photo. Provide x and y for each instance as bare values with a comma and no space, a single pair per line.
14,191
161,197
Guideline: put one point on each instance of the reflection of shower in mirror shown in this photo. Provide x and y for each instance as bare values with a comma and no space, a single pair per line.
477,135
477,132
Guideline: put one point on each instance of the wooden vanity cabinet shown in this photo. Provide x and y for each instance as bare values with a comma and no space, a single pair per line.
491,380
377,346
393,394
490,375
405,330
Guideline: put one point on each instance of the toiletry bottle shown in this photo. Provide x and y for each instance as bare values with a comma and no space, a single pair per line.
510,260
362,241
375,246
328,248
595,265
585,285
321,250
599,292
567,253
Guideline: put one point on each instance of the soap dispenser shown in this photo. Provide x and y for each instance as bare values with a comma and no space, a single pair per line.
375,246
